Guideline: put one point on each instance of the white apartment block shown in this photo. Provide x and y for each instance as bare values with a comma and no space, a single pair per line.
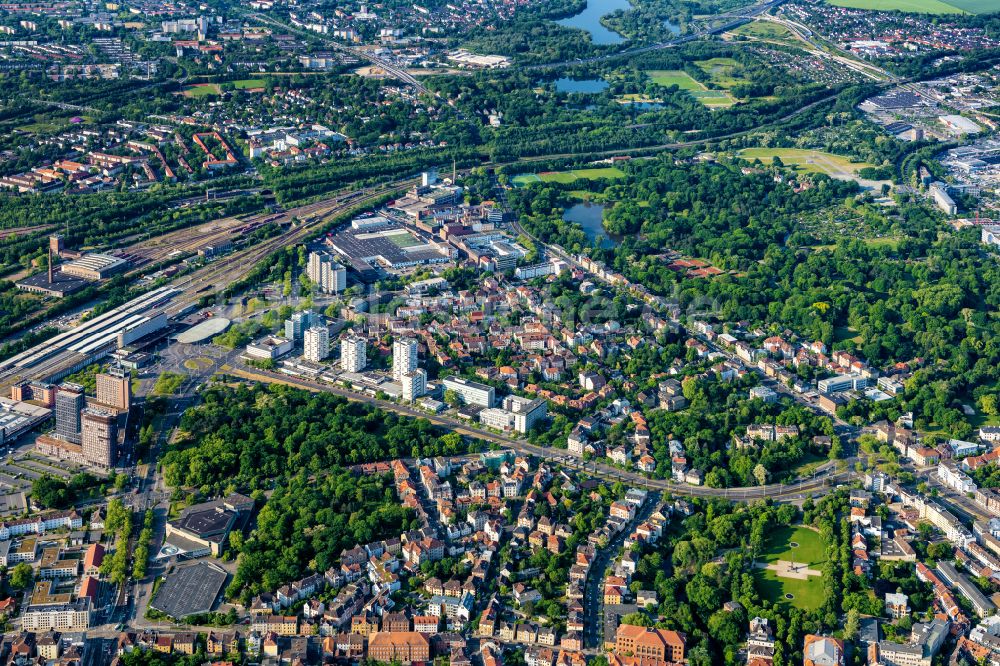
414,384
353,354
316,343
951,476
73,616
404,357
326,273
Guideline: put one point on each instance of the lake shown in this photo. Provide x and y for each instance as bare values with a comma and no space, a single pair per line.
590,217
590,20
586,86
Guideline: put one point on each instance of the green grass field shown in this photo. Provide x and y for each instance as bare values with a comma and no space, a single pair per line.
807,161
724,71
567,176
673,77
244,84
202,90
683,80
808,549
918,6
765,30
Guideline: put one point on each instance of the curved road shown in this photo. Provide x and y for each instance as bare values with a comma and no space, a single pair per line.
825,480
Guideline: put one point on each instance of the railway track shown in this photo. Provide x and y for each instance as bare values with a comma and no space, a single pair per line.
219,274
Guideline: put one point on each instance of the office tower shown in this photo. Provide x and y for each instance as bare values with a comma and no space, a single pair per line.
414,384
300,322
404,357
471,393
100,437
326,273
317,344
69,403
114,388
353,354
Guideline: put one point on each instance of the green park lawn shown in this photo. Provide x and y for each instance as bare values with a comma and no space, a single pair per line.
807,161
808,549
683,80
722,70
567,176
765,30
673,77
244,84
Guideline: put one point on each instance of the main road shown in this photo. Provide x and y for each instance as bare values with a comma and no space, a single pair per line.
825,480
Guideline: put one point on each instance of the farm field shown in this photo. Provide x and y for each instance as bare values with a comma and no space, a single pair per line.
807,161
918,6
567,176
793,544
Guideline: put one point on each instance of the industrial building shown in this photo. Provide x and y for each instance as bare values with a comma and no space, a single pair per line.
392,247
95,267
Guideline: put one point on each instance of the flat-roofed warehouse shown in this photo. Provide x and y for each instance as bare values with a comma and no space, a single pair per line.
95,266
394,247
190,590
61,285
92,340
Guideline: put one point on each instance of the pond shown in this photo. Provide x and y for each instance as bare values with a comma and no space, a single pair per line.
590,217
590,20
586,86
672,27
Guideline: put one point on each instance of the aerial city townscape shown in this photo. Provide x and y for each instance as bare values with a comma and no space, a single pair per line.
500,332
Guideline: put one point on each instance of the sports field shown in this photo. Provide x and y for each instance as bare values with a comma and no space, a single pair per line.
807,161
202,90
206,89
567,176
921,6
793,544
